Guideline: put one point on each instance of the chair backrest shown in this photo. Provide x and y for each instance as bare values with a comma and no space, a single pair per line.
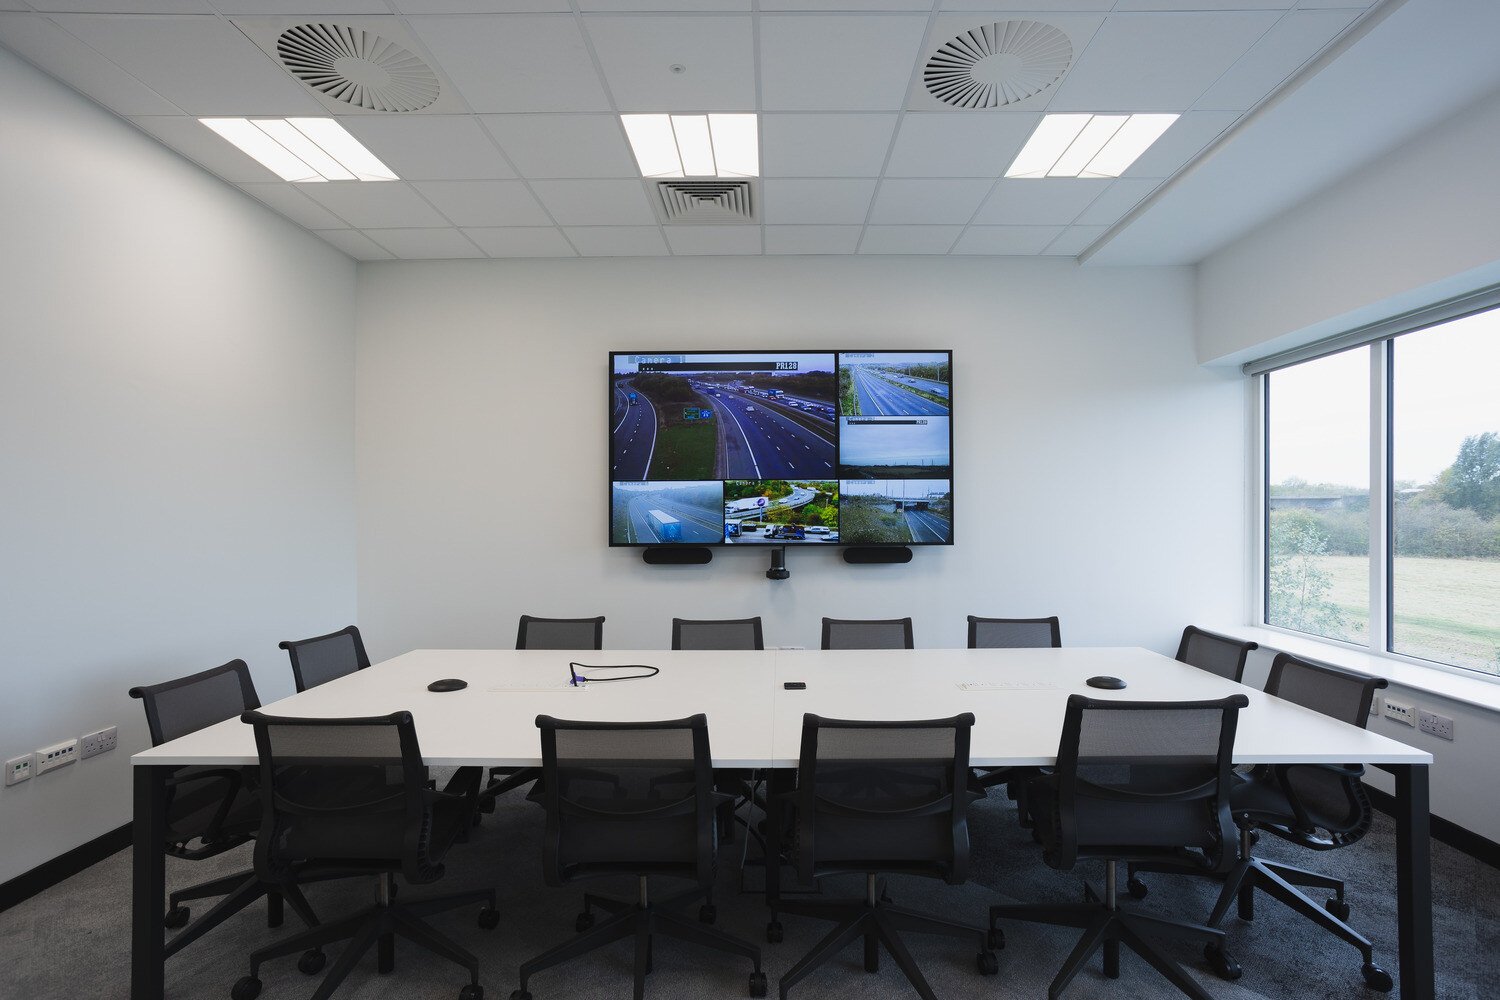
1337,693
1014,633
1137,779
881,633
188,704
325,657
350,791
884,797
560,633
1218,654
630,798
728,633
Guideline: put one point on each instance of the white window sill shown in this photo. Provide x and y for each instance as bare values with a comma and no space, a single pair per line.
1476,690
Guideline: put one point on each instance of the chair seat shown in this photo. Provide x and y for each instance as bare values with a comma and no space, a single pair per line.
197,802
1262,800
1176,845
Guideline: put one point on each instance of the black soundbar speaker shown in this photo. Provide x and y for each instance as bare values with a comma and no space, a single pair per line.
687,555
881,554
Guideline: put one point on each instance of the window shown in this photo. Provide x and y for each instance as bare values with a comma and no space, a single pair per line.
1422,531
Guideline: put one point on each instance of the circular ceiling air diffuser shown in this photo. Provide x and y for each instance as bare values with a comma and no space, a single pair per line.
998,64
357,67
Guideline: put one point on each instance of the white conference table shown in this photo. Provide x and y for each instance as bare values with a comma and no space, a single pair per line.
1018,697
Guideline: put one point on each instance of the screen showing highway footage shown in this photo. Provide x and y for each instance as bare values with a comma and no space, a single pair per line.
747,448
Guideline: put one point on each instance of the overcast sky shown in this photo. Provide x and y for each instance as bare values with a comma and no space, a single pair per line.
1447,387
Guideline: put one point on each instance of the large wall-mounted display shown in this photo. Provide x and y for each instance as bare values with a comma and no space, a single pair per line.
781,448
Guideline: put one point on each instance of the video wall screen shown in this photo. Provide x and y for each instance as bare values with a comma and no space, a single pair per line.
781,448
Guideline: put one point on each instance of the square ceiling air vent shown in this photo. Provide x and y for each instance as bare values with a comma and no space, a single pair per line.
708,200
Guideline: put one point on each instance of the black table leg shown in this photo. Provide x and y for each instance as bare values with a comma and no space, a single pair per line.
148,883
779,781
1414,880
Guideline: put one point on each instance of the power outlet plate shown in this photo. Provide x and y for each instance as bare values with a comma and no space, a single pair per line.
18,769
1435,725
94,744
55,756
1401,712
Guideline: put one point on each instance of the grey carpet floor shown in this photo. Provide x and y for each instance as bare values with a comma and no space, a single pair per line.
72,941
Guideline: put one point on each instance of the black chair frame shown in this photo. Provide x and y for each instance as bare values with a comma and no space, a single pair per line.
362,659
753,623
526,620
1245,648
1053,621
830,623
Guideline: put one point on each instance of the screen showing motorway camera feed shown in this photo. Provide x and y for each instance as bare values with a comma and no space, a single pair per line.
781,448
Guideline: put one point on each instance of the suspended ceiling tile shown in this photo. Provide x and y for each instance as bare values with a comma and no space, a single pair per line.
481,6
830,201
564,146
355,244
927,202
425,244
298,8
123,6
824,145
1210,5
473,204
1073,241
375,204
1184,140
522,242
690,240
664,6
812,239
844,6
431,147
1006,241
1157,62
1044,201
595,202
201,64
1294,40
1009,7
289,200
1120,197
636,55
909,239
617,241
837,63
958,143
36,39
515,62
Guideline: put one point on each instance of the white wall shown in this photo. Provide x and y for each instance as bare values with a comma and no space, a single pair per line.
1415,227
1100,473
176,440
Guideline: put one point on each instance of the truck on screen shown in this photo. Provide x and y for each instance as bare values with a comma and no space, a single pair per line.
667,527
749,505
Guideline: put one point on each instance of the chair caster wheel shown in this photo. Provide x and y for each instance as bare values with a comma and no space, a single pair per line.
1222,963
1338,908
1376,978
311,963
758,984
473,991
773,932
489,918
247,988
584,922
995,940
176,917
988,964
1137,888
707,914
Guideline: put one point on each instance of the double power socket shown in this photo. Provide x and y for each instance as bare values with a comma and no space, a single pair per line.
1408,714
19,769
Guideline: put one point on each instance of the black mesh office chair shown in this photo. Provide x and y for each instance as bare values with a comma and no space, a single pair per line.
1135,781
326,657
728,633
215,808
1319,806
560,633
1014,633
327,801
1218,654
635,799
541,633
879,798
887,633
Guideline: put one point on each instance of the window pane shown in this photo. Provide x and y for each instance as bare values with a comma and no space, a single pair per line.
1445,422
1318,490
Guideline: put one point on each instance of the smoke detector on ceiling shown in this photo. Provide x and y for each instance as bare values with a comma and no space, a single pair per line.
998,64
357,67
711,201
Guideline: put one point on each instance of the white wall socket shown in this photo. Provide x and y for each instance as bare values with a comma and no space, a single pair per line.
1435,725
56,755
1403,713
18,769
94,744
